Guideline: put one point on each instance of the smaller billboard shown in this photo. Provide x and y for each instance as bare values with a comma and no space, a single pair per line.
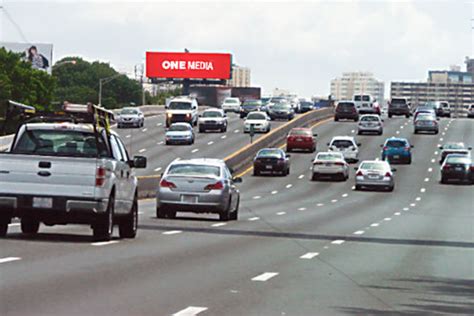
188,65
39,55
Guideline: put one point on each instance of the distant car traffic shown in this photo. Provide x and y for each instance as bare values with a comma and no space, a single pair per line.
453,148
346,110
250,106
259,121
435,106
301,138
330,165
130,117
271,161
366,104
444,109
426,123
281,111
397,150
198,186
179,133
306,105
231,105
374,174
457,167
370,123
398,106
213,119
347,146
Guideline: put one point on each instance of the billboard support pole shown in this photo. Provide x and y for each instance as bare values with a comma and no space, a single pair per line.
186,84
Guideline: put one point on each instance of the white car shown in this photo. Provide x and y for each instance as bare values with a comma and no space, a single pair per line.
130,117
260,121
231,105
213,119
370,123
347,146
179,133
330,165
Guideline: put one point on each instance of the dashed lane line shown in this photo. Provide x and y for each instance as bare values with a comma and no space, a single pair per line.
427,179
157,169
218,224
9,259
104,243
128,136
281,213
252,219
256,197
309,255
274,192
333,201
301,176
422,190
265,276
144,130
359,232
142,150
374,225
224,136
289,186
397,213
210,143
345,195
302,209
191,311
320,204
172,232
387,219
338,241
195,150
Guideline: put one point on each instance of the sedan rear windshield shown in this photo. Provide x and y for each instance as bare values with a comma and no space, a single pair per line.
398,101
270,153
328,156
256,116
373,166
396,143
178,128
65,143
369,119
454,146
458,160
128,111
251,103
301,132
342,143
212,114
346,105
304,103
194,170
361,98
231,101
180,106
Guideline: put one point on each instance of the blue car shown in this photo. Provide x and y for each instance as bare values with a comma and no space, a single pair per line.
397,150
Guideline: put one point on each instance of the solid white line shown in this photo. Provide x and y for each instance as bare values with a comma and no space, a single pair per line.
218,224
210,143
9,259
281,213
190,311
256,197
301,176
309,255
397,213
338,241
195,150
374,224
274,192
144,130
345,195
256,218
320,204
359,232
104,243
172,232
302,209
142,150
387,219
289,186
158,169
265,276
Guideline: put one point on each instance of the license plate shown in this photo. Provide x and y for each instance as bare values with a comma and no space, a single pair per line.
192,199
373,176
396,157
299,139
41,202
269,167
458,169
328,164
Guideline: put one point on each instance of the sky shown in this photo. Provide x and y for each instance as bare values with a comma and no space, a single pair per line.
295,45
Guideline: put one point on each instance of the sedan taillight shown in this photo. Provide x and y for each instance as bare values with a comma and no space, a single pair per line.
387,174
359,173
215,186
167,184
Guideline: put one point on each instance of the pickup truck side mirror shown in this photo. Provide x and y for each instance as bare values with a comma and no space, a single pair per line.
138,162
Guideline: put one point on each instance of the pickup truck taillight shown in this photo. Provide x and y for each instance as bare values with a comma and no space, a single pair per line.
100,176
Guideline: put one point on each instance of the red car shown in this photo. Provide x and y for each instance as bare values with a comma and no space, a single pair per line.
301,138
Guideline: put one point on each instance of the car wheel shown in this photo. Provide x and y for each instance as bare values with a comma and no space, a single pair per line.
336,118
104,226
235,214
314,177
358,187
380,133
407,115
415,131
409,161
201,130
288,171
390,188
4,221
356,119
289,149
225,214
389,115
160,212
256,173
29,225
128,225
171,214
443,180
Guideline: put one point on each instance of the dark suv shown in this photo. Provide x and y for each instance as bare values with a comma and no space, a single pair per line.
346,110
398,106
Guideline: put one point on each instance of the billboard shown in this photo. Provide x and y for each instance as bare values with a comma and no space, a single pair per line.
188,65
40,55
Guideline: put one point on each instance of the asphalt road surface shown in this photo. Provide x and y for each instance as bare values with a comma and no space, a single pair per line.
298,248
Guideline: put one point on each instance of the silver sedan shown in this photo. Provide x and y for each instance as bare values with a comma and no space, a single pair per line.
374,174
330,165
370,123
198,186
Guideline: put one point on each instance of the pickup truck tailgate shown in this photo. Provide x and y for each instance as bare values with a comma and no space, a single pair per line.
46,175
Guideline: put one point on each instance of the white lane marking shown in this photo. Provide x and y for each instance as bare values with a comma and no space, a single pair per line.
326,247
441,139
406,209
177,158
289,186
374,225
397,132
256,197
345,195
158,169
353,187
337,241
302,209
333,201
140,213
195,150
281,213
14,224
236,131
320,204
172,232
422,190
397,213
9,259
418,199
436,152
142,150
427,179
413,204
218,224
387,219
104,243
224,136
443,133
301,176
190,311
353,131
274,192
433,160
401,127
309,255
144,130
430,169
159,124
377,159
210,143
128,136
359,232
160,143
252,219
265,276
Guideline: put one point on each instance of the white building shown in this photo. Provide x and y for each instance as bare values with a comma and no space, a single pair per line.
351,83
240,77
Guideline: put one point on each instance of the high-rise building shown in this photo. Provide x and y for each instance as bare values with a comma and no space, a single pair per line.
470,65
351,83
240,77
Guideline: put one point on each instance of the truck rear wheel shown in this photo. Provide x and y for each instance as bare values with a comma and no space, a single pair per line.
4,221
128,225
29,225
104,226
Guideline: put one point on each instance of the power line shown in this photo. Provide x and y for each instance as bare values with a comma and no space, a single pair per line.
22,35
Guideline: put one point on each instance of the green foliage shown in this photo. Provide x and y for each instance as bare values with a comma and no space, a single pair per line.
78,82
21,83
161,97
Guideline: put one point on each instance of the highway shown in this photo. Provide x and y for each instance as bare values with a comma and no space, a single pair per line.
298,248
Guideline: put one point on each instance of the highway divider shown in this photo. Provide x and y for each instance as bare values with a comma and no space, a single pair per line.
242,158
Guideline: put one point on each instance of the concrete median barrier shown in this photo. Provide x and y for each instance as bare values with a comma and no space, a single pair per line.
242,158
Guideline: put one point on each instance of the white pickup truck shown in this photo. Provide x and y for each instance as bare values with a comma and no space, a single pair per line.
63,172
182,109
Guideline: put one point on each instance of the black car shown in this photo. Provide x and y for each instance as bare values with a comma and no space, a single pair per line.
306,106
271,161
346,110
457,167
281,111
249,106
398,106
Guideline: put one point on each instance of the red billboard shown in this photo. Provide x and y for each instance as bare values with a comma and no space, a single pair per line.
188,65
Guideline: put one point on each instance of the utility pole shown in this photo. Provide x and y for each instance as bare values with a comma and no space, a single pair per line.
103,81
